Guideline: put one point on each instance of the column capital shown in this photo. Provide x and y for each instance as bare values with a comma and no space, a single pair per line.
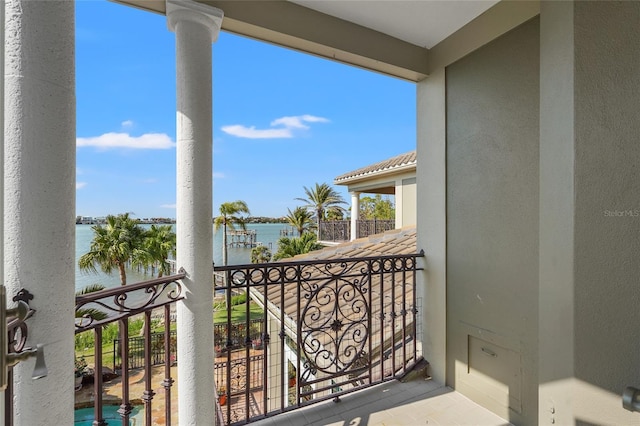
189,10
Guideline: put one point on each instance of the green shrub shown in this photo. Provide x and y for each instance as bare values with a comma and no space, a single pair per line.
239,299
109,333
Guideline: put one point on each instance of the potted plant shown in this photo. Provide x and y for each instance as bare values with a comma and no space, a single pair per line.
79,371
256,343
222,395
292,377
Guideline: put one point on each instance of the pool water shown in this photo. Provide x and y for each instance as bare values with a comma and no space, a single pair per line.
84,416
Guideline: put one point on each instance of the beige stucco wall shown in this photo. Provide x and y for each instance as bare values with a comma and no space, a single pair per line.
591,155
406,200
492,224
535,180
404,196
607,178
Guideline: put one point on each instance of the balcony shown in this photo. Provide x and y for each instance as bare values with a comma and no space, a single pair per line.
326,328
340,230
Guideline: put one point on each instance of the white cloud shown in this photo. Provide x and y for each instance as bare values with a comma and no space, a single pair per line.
253,133
297,122
314,119
290,122
168,206
127,123
124,140
80,185
150,180
284,127
218,175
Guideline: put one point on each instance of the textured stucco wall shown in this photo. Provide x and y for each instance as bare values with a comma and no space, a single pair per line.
590,316
492,218
556,352
607,193
409,206
432,219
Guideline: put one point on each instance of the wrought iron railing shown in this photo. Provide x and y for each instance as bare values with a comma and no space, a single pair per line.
237,333
152,300
332,327
136,347
335,230
374,226
17,334
340,230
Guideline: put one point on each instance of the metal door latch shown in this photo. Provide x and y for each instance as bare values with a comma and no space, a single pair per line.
8,360
631,399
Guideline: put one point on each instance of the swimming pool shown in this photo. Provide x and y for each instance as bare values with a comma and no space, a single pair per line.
84,416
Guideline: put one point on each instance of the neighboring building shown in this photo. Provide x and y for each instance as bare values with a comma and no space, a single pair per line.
395,176
85,220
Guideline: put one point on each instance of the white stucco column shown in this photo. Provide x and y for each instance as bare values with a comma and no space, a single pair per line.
399,204
355,211
196,26
2,4
39,197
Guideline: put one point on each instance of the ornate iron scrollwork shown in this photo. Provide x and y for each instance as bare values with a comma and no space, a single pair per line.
334,321
106,306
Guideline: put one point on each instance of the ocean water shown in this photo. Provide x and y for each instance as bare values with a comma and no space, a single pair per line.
266,233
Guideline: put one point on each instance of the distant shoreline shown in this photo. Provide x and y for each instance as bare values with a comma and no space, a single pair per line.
88,220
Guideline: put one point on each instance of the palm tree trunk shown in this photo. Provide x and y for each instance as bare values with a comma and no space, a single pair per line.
123,274
224,262
224,246
123,281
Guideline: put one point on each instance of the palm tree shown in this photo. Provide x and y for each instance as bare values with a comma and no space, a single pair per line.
159,244
94,313
113,246
289,247
301,219
229,218
321,199
260,254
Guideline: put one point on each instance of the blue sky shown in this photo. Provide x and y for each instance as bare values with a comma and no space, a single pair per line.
282,119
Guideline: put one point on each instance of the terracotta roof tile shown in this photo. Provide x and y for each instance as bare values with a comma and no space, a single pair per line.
399,161
319,290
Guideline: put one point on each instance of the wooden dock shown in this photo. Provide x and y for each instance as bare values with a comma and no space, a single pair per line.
242,238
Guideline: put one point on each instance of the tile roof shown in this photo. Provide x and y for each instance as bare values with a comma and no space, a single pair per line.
309,301
398,162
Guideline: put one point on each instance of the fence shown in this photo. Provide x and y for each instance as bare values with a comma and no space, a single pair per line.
332,327
340,230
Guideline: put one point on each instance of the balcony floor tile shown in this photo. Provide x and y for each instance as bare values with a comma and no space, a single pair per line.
393,403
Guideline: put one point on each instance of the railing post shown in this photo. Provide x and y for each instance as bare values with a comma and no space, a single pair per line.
97,379
8,400
168,362
125,407
148,393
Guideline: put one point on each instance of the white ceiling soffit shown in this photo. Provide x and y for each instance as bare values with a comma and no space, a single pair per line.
424,23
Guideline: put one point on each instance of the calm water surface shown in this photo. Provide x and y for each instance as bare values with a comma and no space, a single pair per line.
267,234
